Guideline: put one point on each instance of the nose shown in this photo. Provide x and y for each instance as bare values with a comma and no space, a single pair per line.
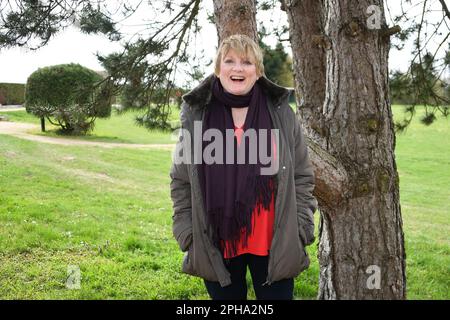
237,66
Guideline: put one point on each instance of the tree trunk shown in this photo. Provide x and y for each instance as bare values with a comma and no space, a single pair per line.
232,17
361,250
308,49
42,124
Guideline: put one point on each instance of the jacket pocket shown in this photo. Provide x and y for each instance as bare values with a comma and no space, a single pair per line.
304,264
187,266
306,234
185,239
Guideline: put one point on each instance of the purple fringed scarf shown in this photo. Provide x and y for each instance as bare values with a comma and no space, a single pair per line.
231,191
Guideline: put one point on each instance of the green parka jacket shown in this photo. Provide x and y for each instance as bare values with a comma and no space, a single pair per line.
294,202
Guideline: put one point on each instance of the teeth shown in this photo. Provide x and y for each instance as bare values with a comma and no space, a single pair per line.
237,78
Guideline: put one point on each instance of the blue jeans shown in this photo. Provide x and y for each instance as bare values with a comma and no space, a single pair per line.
237,290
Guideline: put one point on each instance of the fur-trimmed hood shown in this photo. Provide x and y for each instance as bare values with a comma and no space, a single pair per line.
200,96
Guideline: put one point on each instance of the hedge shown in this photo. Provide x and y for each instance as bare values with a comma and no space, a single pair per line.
70,94
12,93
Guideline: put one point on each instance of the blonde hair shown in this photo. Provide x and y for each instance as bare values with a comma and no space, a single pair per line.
245,47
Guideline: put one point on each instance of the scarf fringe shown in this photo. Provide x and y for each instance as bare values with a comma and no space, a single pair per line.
229,232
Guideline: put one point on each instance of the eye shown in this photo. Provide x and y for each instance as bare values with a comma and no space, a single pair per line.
228,61
247,62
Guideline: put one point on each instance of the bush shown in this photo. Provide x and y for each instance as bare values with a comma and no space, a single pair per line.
70,94
12,93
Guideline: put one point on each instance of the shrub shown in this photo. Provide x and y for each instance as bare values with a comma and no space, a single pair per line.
70,94
12,93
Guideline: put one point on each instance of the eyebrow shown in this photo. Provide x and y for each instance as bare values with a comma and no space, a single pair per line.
242,58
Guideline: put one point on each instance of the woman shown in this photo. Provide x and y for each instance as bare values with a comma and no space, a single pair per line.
229,214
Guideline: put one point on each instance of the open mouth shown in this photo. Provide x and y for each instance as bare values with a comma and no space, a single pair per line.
237,79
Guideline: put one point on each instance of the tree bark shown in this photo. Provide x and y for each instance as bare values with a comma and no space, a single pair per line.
308,49
361,249
232,17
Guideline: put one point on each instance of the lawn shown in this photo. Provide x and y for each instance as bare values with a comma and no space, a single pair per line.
117,128
108,211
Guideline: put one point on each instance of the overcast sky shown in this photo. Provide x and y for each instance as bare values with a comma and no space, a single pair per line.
71,46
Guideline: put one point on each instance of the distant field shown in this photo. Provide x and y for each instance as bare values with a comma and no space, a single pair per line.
108,211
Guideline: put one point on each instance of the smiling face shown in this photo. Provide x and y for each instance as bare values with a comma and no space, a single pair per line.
237,73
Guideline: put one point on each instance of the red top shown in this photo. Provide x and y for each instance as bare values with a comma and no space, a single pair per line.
260,240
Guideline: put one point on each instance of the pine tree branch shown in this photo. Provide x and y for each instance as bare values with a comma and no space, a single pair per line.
445,8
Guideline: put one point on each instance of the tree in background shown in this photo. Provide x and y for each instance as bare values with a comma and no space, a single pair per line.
427,24
133,76
277,64
421,85
69,96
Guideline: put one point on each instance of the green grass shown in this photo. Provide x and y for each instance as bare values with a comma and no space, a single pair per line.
423,161
20,116
117,128
108,211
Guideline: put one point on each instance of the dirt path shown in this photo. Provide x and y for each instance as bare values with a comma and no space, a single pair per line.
20,130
